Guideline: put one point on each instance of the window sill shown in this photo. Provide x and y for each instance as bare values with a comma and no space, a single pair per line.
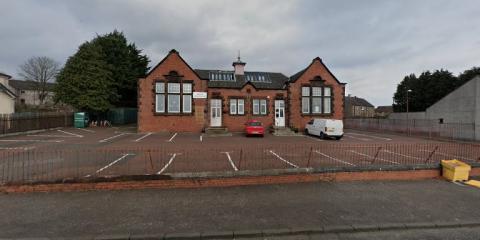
173,114
317,114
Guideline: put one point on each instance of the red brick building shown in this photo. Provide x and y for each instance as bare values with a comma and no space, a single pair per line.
176,98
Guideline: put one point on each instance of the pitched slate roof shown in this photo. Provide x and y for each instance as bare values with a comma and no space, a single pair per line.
7,91
387,109
276,80
356,101
28,85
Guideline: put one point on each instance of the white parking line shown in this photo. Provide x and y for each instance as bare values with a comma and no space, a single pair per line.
17,148
335,159
86,130
29,140
69,133
403,155
230,160
45,135
449,155
314,138
170,140
362,139
372,136
110,138
142,137
112,163
168,164
366,155
289,163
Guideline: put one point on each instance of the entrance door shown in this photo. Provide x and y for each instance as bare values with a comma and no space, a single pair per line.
215,112
280,113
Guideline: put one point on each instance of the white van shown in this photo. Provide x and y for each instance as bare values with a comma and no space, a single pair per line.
325,128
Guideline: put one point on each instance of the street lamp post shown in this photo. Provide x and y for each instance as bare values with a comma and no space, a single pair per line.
408,123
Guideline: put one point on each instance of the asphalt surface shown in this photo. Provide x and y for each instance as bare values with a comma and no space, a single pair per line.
325,204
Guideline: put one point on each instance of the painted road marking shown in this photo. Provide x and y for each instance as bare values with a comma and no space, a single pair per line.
110,138
201,137
69,133
366,155
142,137
86,130
45,135
449,155
29,140
17,148
168,164
314,138
335,159
372,136
230,160
289,163
170,140
112,163
362,139
403,155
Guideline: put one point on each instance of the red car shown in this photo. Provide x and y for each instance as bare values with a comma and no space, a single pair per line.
254,127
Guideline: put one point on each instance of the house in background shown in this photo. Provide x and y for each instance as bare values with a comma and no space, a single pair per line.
27,92
7,95
356,107
383,111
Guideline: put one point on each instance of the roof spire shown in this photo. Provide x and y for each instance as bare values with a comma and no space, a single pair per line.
238,56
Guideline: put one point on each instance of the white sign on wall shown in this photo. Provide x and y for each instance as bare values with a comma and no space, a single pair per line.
199,94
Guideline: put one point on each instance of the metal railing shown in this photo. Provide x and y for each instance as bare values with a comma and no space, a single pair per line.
416,127
22,122
25,165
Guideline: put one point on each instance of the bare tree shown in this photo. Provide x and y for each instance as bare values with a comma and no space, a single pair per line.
40,70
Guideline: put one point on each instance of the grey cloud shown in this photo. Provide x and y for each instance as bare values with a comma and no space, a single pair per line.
370,45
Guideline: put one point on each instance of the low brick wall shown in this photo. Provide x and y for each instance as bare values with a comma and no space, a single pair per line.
225,182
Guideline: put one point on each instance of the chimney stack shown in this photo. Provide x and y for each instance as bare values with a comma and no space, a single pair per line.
239,66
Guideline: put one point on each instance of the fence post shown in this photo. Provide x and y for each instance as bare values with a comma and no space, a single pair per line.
431,154
376,154
241,158
309,156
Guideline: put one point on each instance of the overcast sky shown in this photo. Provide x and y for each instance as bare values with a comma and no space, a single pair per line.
370,45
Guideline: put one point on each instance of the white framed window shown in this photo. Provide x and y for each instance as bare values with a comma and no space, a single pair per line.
259,106
241,106
256,106
305,105
316,100
159,97
263,106
233,106
173,97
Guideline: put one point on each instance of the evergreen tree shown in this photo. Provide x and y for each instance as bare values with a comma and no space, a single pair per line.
468,75
86,81
102,74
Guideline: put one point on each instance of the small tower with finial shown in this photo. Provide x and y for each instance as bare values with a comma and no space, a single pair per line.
239,66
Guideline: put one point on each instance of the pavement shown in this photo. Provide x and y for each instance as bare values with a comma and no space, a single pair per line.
430,209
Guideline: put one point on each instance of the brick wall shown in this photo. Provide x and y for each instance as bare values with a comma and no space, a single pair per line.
235,123
316,68
148,121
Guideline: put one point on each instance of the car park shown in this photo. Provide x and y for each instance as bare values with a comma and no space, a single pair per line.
325,128
254,127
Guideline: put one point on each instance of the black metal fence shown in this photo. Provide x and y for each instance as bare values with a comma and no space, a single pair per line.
26,165
21,122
